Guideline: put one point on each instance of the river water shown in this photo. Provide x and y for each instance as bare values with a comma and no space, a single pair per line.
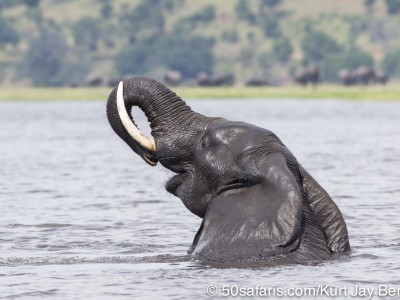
82,217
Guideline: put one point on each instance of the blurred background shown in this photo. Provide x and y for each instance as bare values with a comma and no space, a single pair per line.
260,42
83,217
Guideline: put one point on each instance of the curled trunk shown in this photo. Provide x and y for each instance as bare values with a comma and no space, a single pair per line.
173,124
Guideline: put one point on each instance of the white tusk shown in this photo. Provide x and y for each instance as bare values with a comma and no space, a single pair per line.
145,141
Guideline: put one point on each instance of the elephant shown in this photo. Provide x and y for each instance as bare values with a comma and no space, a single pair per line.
309,75
256,202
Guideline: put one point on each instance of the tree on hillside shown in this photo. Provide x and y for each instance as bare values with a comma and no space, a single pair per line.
202,17
147,18
244,13
391,63
393,6
246,56
317,45
188,55
31,3
106,8
282,50
7,33
45,62
87,33
270,26
270,4
205,15
369,3
10,3
45,56
357,27
350,60
265,61
230,36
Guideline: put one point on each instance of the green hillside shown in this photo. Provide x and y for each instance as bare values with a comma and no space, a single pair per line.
57,42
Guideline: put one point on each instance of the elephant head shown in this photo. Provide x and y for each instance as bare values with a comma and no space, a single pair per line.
256,201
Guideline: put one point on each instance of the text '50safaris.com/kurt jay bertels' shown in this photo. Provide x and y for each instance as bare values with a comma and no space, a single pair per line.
353,291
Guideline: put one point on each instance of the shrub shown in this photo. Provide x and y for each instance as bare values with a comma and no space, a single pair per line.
393,6
230,36
282,49
188,55
391,63
87,33
146,17
270,26
244,13
7,33
317,45
106,8
186,25
349,60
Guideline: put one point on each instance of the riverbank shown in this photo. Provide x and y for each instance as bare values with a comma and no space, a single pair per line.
391,92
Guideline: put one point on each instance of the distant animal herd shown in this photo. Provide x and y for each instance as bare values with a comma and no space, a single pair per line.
358,76
304,76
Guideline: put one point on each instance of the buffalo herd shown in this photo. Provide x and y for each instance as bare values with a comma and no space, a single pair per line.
362,76
359,76
305,76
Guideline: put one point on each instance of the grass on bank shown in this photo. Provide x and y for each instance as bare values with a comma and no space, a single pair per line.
391,92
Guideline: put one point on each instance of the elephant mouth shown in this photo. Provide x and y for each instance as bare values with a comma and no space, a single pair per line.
151,160
174,183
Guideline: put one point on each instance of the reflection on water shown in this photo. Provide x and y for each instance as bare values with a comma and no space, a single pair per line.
82,216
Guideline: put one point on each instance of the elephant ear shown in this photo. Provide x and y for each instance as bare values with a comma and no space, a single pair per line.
254,222
327,213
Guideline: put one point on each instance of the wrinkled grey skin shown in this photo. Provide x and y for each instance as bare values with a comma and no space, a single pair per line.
256,201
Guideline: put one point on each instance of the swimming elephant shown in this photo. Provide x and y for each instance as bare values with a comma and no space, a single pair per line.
256,201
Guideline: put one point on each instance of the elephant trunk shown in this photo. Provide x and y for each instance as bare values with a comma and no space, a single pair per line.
173,124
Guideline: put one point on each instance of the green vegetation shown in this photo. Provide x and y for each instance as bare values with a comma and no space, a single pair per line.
391,62
65,43
282,50
350,59
7,34
178,57
393,6
373,93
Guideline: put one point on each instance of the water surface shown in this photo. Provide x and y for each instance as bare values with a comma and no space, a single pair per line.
84,218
